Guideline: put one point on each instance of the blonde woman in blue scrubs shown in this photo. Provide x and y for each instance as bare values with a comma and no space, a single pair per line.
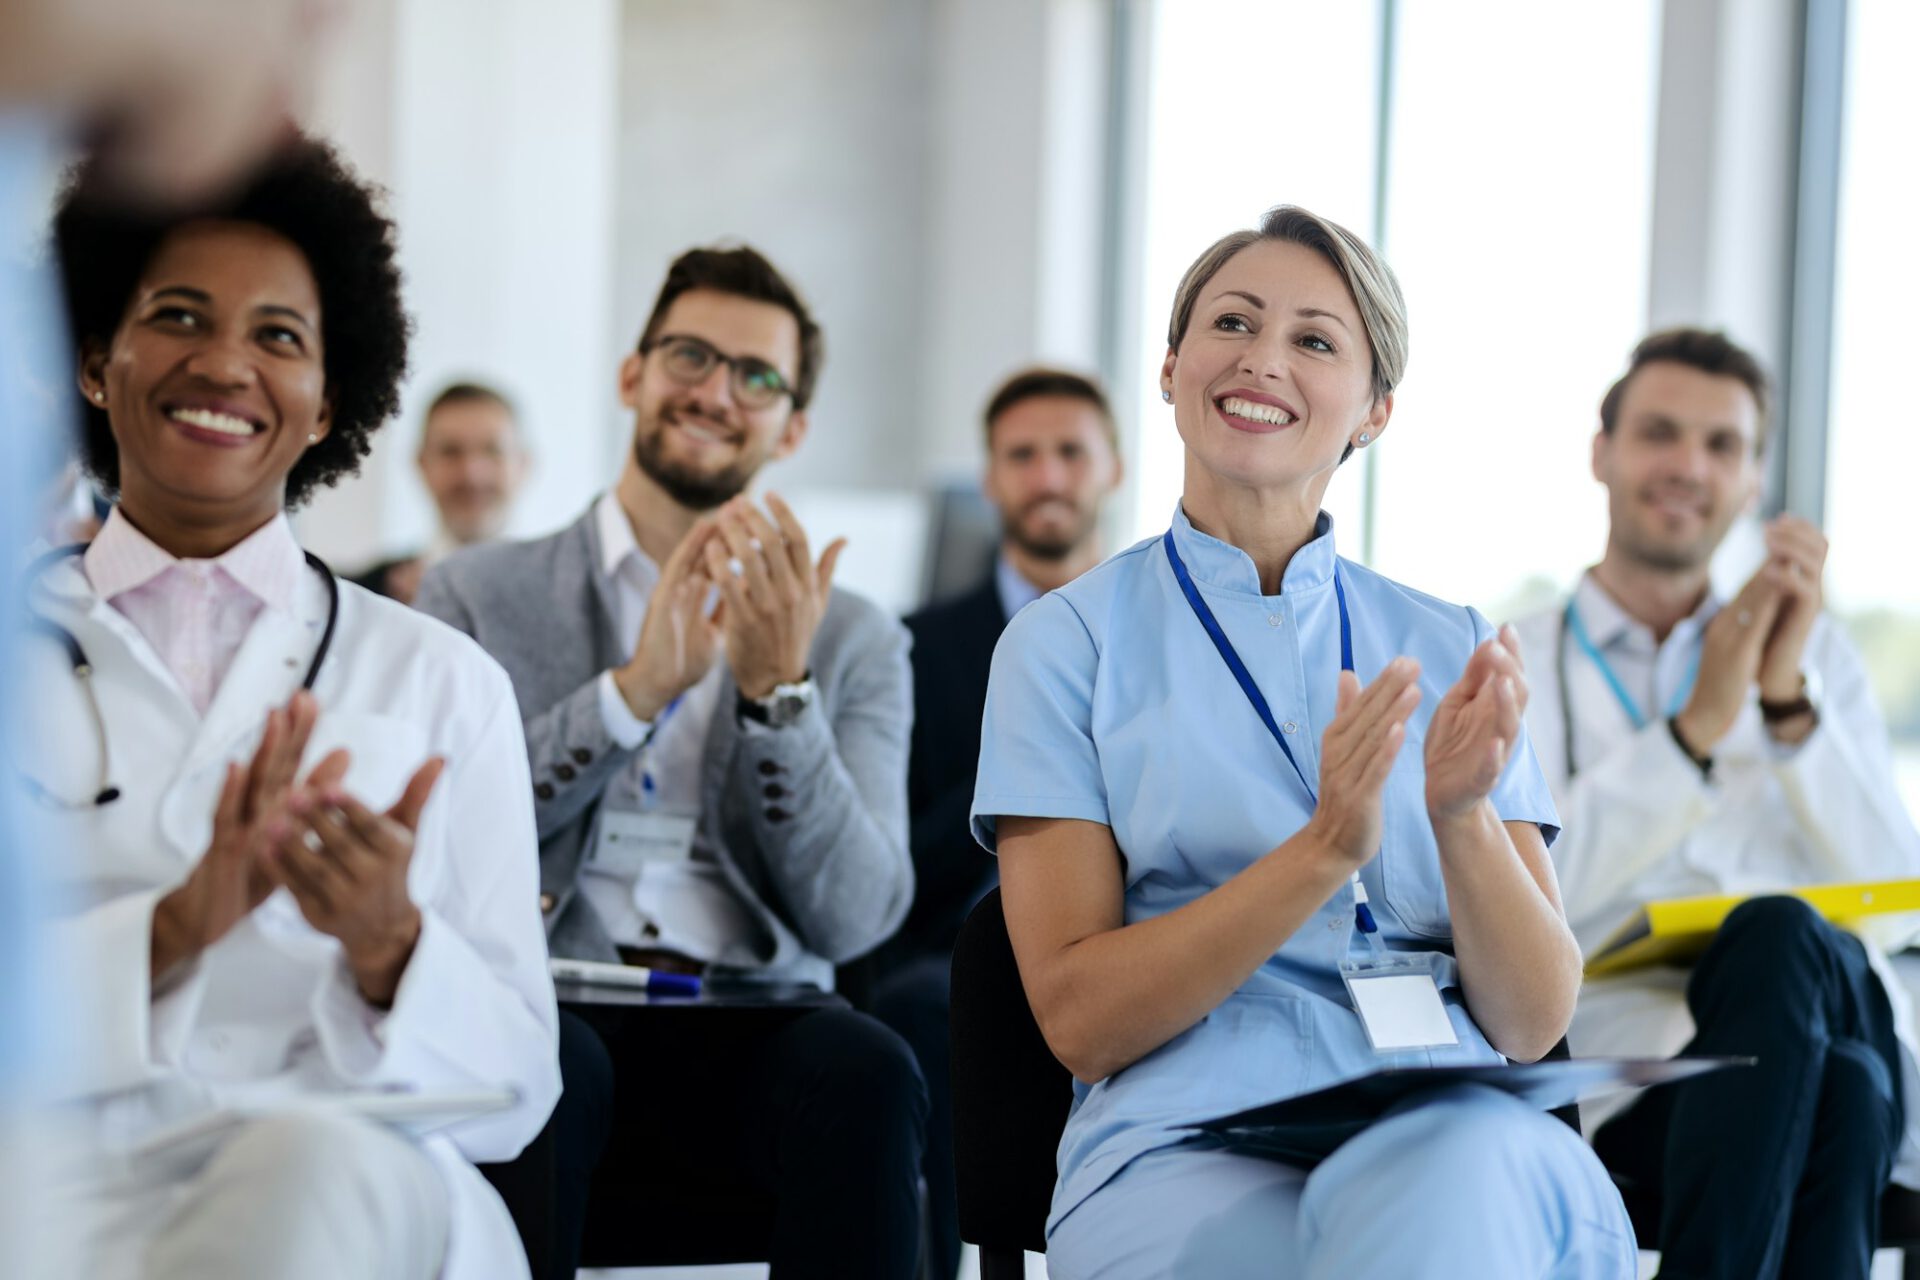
1226,771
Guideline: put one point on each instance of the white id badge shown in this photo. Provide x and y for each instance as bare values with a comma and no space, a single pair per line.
627,841
1399,1003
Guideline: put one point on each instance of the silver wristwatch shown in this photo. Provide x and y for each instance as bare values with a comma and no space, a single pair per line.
781,707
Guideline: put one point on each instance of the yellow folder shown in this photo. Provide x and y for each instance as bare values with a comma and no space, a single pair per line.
1677,930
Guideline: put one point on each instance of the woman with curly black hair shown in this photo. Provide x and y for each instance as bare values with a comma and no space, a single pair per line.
293,820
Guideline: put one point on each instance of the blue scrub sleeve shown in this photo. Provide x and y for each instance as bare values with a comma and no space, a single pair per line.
1037,753
1522,794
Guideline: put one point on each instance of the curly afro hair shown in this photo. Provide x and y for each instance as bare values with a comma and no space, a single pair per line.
306,193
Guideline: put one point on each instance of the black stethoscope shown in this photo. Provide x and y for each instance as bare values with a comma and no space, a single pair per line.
83,672
1566,699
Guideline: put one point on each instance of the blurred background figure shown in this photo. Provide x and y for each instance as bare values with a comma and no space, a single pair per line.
472,462
175,98
1053,462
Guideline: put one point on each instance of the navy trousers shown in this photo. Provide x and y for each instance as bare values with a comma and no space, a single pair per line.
1775,1169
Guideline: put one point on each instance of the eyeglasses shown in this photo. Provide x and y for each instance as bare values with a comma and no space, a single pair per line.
689,360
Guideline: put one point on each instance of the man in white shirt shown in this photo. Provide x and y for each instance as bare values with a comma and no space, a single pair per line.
1707,746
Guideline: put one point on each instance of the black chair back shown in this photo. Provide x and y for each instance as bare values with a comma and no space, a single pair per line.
1010,1095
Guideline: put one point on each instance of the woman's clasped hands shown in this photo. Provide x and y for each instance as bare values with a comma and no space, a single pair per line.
1357,754
1476,728
1472,735
345,865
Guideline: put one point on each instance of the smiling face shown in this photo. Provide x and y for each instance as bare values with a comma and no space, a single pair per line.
214,380
1680,464
472,464
1274,376
1050,466
698,442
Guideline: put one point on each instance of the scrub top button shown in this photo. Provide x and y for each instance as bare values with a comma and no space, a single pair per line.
1274,619
1289,727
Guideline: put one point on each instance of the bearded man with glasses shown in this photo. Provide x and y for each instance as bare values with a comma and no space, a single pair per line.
719,749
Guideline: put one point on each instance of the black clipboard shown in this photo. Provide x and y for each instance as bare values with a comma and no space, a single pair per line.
1306,1129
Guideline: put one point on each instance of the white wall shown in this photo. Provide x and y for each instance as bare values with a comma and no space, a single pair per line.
929,172
798,128
492,122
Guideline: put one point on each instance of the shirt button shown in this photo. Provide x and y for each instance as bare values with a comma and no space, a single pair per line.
582,756
774,791
777,815
564,772
543,791
768,768
1289,727
1333,926
1274,619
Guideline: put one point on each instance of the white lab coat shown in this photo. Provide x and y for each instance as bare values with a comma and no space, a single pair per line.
271,1011
1641,824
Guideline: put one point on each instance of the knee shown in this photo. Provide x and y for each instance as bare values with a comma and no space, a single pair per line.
1857,1096
316,1154
1478,1137
864,1073
1771,926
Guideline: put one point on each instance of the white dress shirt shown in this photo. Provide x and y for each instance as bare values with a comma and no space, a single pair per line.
685,906
1642,823
270,1015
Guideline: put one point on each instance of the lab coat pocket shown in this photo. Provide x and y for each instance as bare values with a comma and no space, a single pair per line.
1409,862
383,752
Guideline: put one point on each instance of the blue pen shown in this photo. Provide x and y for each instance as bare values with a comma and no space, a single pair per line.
655,982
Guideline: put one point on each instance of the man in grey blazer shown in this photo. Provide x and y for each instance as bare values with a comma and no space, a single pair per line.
719,750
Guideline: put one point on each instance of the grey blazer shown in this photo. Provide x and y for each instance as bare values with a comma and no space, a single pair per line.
810,819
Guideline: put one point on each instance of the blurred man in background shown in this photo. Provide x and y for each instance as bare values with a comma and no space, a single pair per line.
1052,463
472,461
1698,745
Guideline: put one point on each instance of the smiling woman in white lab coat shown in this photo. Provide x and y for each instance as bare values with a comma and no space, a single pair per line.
293,820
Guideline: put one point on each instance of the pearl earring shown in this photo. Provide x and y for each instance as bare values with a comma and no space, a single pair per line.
1365,439
1167,396
99,397
313,437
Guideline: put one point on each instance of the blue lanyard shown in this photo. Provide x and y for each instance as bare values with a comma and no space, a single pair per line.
648,791
1362,914
1628,702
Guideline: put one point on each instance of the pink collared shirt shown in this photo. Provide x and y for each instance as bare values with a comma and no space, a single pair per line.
195,613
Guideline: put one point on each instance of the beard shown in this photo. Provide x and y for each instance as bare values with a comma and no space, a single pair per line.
691,487
1638,535
1050,545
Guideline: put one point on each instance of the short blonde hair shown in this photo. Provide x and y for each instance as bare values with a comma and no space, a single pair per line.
1383,312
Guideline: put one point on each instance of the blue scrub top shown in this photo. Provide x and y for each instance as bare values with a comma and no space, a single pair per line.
1109,703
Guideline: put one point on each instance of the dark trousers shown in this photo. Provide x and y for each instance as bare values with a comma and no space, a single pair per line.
545,1189
914,1000
1775,1169
823,1111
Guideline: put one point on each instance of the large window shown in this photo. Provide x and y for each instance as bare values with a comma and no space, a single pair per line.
1518,206
1873,453
1519,153
1251,103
